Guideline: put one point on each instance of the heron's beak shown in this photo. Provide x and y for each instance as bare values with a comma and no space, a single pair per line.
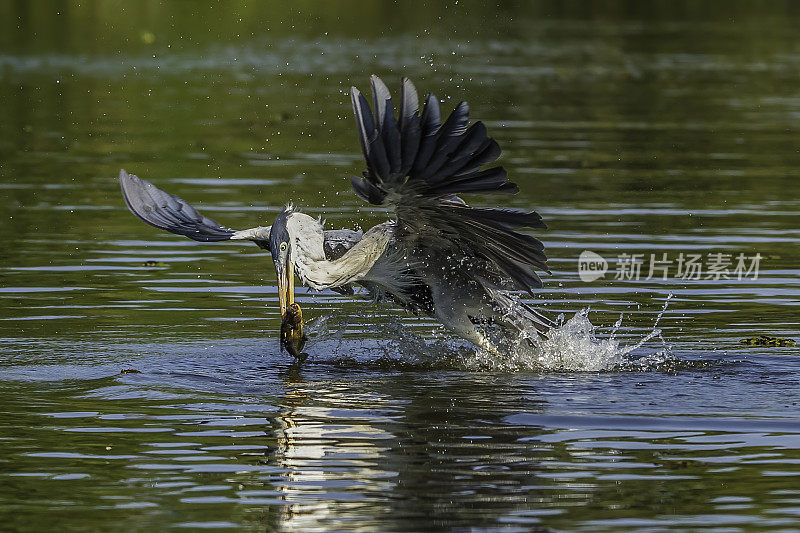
286,286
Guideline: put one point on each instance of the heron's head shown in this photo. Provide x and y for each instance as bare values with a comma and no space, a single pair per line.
280,245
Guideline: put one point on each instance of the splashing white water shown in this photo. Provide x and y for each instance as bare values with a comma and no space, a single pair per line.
574,345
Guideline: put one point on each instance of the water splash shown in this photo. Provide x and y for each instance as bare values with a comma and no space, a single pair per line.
576,345
573,345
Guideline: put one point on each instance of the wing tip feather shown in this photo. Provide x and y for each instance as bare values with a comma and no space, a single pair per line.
458,152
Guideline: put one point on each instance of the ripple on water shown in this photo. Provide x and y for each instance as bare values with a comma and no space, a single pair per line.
685,144
575,345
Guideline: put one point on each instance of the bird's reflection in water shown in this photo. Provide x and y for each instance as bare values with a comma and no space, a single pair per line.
330,445
400,446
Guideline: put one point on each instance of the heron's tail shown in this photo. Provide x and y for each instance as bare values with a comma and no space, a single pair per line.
169,212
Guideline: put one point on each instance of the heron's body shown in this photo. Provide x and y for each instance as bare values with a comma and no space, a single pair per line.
439,257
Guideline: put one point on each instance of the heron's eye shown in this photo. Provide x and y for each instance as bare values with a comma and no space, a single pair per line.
283,247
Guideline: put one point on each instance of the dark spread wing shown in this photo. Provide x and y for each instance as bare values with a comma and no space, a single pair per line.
420,165
168,212
338,241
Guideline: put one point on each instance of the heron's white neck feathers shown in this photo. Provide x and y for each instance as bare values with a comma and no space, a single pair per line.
307,238
308,253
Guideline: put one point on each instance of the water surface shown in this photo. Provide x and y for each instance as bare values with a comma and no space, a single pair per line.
156,397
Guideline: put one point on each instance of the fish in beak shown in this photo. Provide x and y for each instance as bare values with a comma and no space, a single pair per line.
280,245
292,337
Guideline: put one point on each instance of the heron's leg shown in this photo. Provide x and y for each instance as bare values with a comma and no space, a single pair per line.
464,327
455,316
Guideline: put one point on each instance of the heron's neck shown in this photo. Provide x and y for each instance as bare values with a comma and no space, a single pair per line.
308,252
317,272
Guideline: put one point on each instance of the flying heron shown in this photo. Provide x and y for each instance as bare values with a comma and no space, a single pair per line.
439,256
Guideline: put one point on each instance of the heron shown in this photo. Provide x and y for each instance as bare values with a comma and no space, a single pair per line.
437,256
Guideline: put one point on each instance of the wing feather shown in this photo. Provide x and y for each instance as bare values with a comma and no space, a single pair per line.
410,126
371,140
387,126
487,181
431,122
419,165
169,212
488,153
473,141
447,138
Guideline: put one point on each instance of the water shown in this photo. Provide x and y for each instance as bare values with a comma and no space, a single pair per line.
156,397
